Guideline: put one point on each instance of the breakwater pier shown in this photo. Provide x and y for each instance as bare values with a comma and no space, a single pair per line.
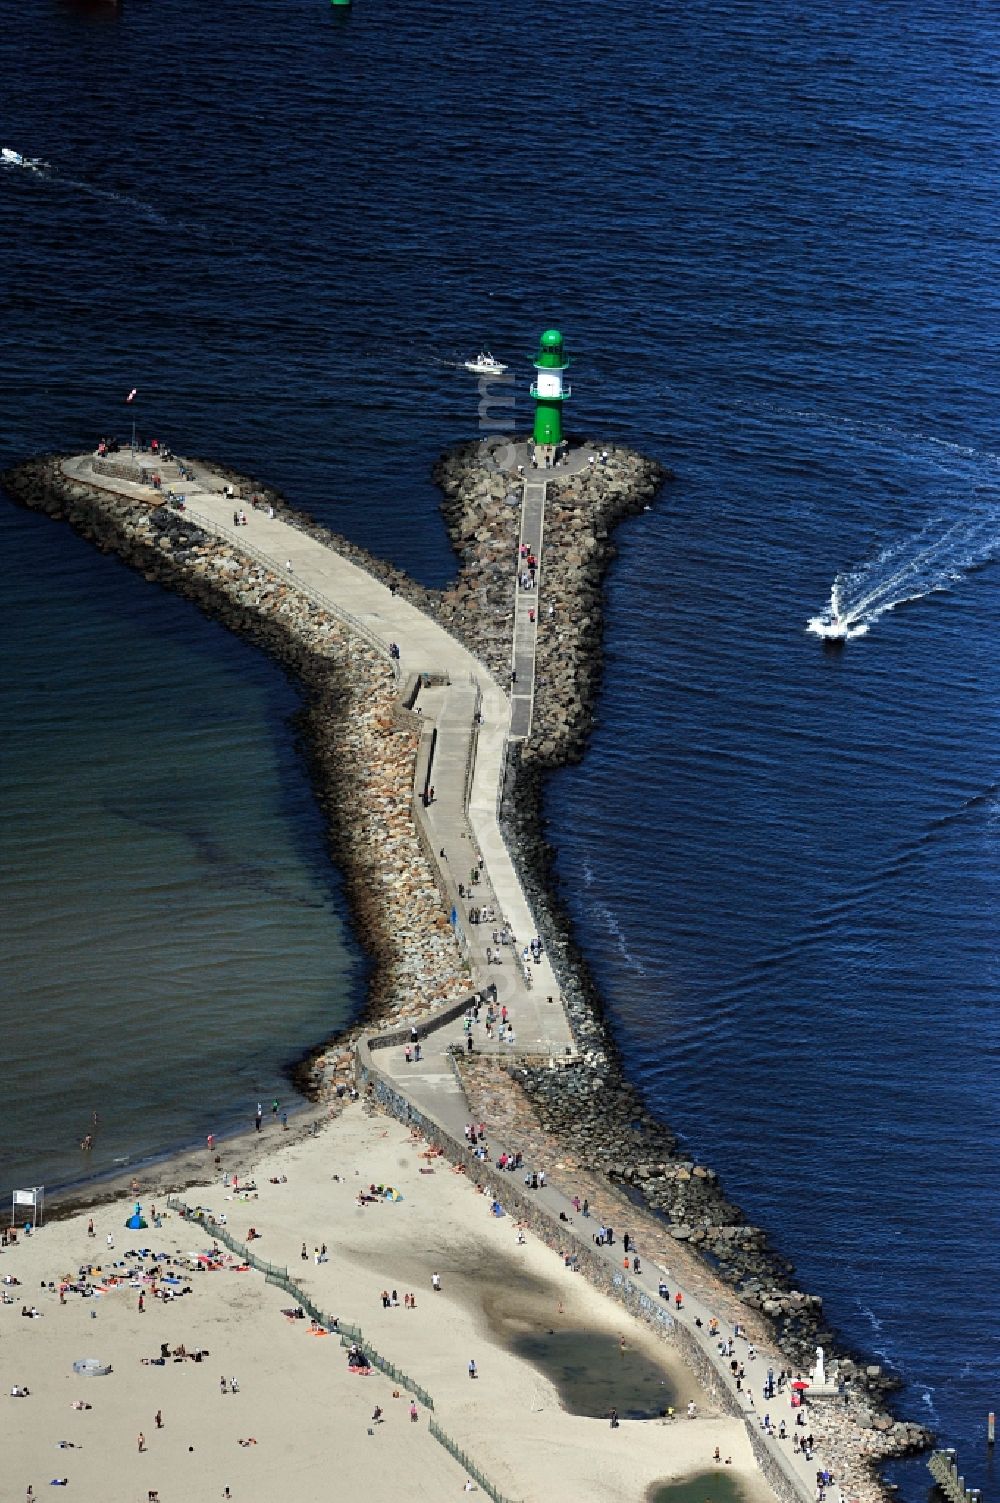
429,718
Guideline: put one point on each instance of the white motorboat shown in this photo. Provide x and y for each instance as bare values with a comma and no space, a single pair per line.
485,365
11,158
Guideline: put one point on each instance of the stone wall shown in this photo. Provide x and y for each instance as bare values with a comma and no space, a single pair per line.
399,1037
612,1282
117,469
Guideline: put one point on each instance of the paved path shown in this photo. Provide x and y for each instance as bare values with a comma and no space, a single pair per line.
540,1024
522,690
433,1087
467,755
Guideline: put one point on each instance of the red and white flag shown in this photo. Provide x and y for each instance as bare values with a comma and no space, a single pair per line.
132,394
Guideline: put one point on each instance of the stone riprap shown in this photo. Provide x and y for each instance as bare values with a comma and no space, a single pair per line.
363,751
587,1108
853,1431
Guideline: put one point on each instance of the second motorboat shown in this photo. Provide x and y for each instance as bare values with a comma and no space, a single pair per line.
485,365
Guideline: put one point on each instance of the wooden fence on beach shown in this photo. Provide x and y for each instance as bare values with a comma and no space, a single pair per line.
349,1335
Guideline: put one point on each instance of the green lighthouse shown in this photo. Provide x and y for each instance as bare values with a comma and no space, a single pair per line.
548,390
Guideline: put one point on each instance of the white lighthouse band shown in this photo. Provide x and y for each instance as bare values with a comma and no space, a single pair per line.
549,383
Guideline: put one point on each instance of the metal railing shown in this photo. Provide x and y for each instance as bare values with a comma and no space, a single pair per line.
352,622
275,1274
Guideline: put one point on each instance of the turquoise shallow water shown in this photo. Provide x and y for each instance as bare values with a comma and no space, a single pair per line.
173,932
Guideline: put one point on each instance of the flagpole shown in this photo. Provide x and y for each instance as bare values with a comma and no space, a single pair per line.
131,398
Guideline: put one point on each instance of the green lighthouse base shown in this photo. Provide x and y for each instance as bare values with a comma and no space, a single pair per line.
548,422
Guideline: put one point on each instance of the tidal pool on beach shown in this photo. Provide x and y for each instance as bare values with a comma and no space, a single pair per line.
718,1486
594,1375
590,1368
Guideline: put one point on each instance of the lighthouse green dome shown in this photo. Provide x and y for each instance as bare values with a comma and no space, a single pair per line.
550,350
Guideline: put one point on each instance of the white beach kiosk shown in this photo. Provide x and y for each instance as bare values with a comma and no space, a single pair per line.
27,1206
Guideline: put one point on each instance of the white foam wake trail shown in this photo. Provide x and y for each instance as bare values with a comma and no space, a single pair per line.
45,170
938,556
110,195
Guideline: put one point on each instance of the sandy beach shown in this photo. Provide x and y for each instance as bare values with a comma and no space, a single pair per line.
309,1417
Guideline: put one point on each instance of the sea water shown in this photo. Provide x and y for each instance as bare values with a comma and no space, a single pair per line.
767,232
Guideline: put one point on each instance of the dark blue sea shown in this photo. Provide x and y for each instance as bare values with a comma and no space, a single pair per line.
768,232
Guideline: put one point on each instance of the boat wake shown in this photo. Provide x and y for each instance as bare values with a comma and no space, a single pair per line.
937,557
17,162
614,929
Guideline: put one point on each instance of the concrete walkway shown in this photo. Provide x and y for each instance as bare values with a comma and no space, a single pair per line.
465,832
433,1087
468,756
